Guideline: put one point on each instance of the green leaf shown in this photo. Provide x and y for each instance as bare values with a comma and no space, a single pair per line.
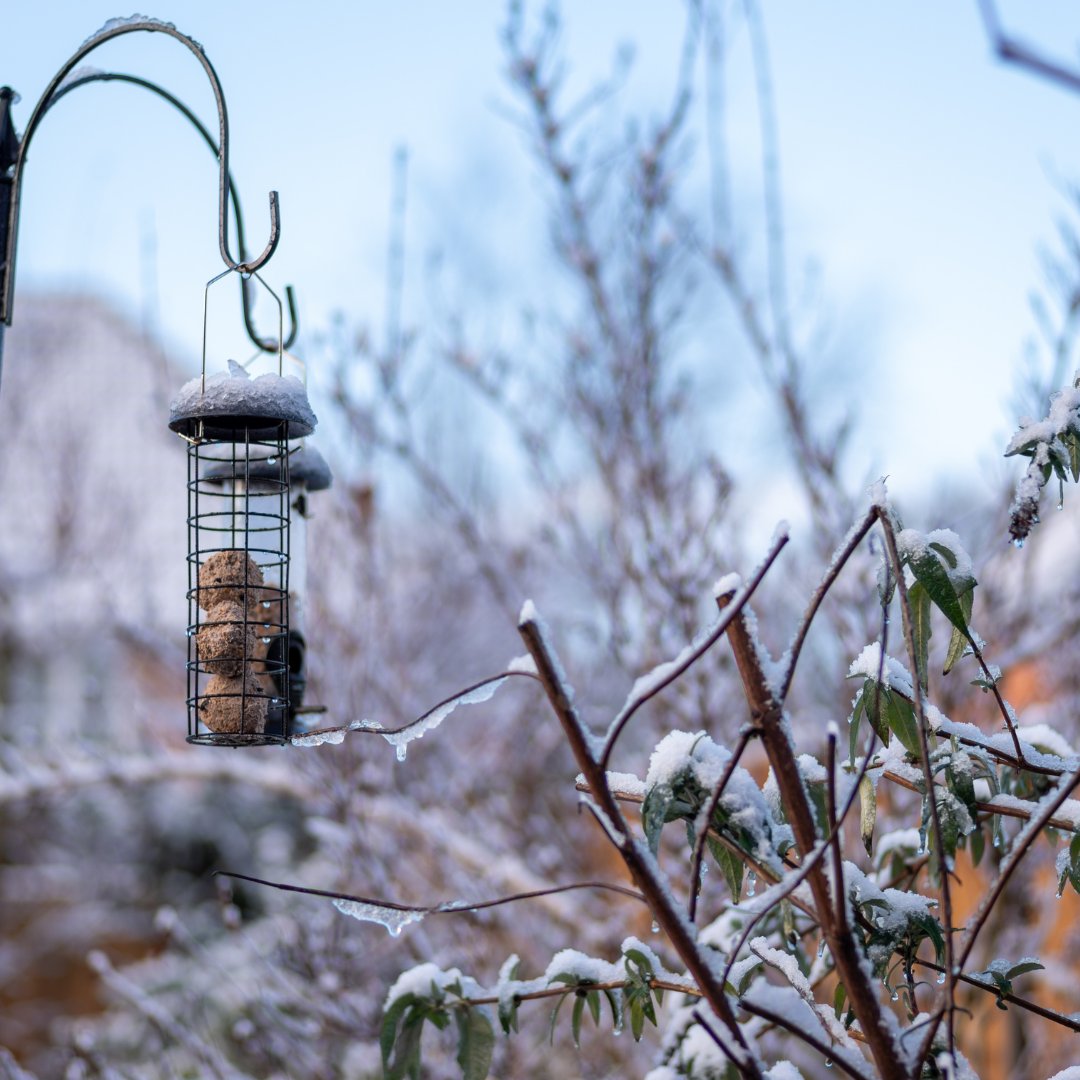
654,813
593,1000
1024,967
902,722
476,1044
730,865
919,599
868,813
1072,443
637,1018
958,642
575,1018
838,999
394,1066
933,577
978,846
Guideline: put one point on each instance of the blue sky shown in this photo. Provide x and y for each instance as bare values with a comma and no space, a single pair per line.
919,174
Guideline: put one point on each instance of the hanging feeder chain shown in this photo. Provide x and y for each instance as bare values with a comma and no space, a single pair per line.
13,158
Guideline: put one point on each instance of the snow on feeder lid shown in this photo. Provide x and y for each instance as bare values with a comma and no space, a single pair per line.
225,404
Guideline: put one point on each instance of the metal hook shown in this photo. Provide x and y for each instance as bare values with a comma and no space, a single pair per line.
278,348
82,78
112,29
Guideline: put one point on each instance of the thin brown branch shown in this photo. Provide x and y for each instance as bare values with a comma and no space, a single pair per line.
677,668
454,907
374,730
1024,840
923,728
767,711
642,867
706,817
839,561
1013,51
1069,1022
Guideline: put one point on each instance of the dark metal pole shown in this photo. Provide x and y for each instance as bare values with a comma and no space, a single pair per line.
9,152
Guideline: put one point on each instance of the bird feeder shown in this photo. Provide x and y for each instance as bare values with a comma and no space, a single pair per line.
239,432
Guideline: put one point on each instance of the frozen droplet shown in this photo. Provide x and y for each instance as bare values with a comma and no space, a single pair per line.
997,839
704,870
655,927
266,603
191,631
894,995
1018,543
821,948
266,641
940,978
271,461
1058,894
401,749
828,1063
751,883
850,718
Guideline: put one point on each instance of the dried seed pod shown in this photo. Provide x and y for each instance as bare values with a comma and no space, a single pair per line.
225,640
229,575
234,705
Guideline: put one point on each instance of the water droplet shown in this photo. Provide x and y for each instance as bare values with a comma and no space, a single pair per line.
1018,543
395,931
894,995
821,948
266,641
1061,504
851,718
401,748
1057,895
655,927
751,883
271,461
191,631
266,603
828,1063
997,839
940,978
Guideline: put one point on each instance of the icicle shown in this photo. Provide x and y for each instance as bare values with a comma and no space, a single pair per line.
655,927
940,978
751,883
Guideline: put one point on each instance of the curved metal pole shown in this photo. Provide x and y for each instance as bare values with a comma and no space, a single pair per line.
266,344
111,30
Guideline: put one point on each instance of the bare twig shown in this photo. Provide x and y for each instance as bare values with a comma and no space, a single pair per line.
706,816
1008,48
453,907
691,656
639,862
928,774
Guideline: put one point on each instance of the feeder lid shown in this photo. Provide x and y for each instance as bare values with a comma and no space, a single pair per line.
226,403
307,467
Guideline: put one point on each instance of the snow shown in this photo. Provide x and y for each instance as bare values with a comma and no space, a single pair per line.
235,394
1063,415
118,23
420,980
624,783
1071,1073
783,1070
582,967
868,664
681,753
394,919
729,583
522,665
319,738
400,739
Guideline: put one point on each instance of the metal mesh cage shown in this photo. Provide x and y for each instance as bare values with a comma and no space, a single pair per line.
238,587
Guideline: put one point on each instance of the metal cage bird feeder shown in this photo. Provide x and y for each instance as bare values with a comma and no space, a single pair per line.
238,430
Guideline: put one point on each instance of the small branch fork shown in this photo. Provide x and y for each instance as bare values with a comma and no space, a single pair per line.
1010,49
